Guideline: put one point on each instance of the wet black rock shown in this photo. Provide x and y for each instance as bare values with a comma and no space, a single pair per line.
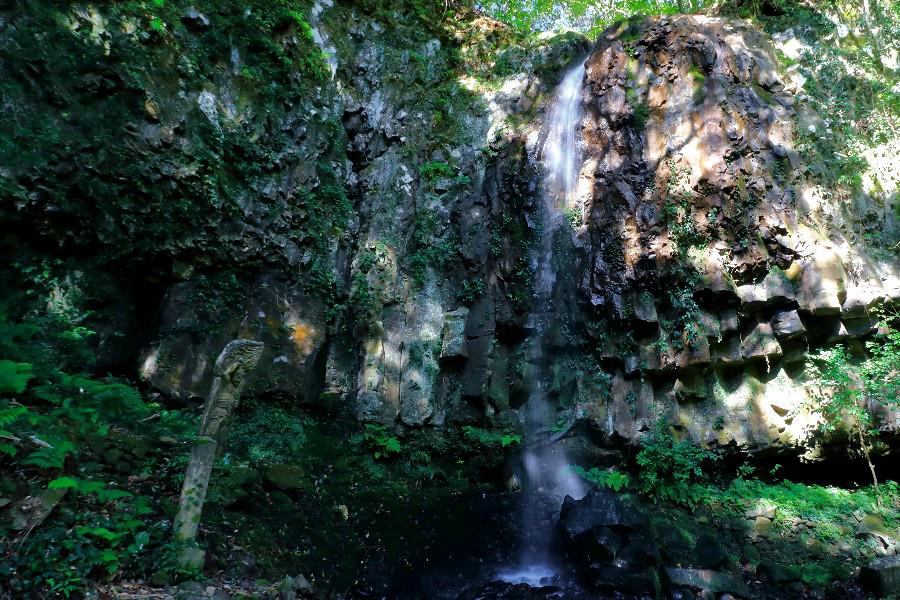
606,536
882,576
600,508
501,590
707,581
774,573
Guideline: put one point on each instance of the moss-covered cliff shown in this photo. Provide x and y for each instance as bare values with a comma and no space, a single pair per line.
358,185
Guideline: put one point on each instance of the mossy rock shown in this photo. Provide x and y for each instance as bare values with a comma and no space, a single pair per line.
286,477
771,572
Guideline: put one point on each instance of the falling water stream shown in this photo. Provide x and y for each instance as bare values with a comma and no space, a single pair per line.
548,480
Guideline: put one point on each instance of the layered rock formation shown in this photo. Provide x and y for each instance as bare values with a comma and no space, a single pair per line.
699,243
701,264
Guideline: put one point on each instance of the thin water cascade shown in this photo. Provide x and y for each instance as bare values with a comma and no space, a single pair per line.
548,479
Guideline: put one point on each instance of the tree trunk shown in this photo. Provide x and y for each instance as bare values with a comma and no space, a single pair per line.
865,449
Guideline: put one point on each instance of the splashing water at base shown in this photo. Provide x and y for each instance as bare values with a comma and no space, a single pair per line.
533,575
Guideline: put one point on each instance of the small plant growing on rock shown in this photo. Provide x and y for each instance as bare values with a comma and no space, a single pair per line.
604,478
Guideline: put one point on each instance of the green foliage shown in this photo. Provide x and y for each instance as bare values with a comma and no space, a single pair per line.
672,470
432,170
881,370
490,438
588,16
604,478
843,391
699,85
678,212
91,539
267,434
9,414
472,289
640,111
687,318
837,390
844,74
380,442
430,247
14,377
53,427
827,506
142,199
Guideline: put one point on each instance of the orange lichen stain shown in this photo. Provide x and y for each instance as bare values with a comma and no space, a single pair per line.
301,335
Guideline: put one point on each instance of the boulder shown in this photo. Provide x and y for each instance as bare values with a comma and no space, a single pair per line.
728,351
786,324
644,308
714,278
690,387
453,336
599,508
860,298
286,477
859,326
775,288
882,576
195,323
623,580
711,325
771,572
707,581
709,553
195,19
761,343
820,283
294,588
695,354
502,590
728,320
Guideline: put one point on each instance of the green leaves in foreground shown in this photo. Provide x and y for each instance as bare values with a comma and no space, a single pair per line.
14,376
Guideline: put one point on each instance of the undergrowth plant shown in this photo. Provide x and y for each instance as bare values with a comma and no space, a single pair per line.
844,391
605,478
671,469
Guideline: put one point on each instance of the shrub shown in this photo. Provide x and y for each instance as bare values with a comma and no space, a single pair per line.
268,434
607,478
670,469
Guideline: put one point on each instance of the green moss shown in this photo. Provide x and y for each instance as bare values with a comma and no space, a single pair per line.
131,199
699,84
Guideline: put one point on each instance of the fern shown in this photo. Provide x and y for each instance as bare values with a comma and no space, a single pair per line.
14,377
610,478
9,414
50,457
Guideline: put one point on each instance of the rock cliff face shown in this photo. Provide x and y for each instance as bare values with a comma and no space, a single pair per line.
700,266
380,237
703,244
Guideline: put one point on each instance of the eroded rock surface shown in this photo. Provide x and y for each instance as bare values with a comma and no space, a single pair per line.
696,268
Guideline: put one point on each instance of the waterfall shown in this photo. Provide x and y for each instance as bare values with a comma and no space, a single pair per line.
561,149
548,479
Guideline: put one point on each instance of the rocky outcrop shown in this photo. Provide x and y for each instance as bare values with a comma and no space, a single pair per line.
375,220
882,576
615,547
693,284
695,252
196,321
